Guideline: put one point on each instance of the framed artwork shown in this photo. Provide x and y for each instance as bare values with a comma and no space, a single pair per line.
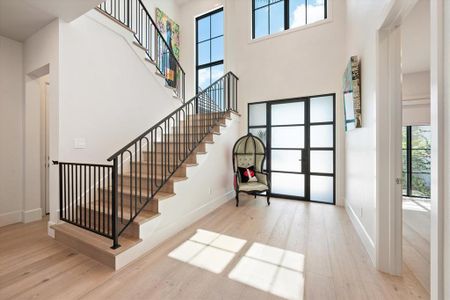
352,94
171,33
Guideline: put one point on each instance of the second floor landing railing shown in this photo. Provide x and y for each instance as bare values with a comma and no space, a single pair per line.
158,46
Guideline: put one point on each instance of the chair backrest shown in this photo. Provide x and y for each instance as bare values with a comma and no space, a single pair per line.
249,151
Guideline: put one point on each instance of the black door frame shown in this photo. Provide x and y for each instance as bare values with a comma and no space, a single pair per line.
307,148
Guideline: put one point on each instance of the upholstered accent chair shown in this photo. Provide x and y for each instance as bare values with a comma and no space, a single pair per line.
250,151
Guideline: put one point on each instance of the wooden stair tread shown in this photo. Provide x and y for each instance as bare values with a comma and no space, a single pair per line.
99,242
159,163
159,195
143,216
173,178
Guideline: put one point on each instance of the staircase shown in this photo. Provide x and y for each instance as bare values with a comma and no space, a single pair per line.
107,211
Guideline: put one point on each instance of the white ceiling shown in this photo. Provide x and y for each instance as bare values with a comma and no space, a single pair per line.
416,39
21,18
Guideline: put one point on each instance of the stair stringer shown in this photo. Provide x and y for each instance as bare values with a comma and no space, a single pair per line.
192,199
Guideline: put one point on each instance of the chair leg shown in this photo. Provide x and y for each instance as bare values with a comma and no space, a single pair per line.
268,198
237,198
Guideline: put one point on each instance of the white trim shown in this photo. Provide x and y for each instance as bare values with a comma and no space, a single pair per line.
32,215
368,243
388,138
438,152
10,218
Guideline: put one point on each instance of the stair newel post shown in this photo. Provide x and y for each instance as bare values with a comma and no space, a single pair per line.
114,221
61,208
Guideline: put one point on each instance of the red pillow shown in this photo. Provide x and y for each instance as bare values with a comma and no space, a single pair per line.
247,174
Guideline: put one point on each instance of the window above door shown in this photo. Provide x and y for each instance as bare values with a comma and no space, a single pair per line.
273,16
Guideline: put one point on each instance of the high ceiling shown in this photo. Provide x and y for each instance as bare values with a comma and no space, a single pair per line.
416,39
21,18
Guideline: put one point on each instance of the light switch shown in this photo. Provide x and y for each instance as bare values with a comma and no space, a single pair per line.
79,143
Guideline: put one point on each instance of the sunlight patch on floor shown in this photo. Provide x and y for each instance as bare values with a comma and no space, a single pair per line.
208,250
271,269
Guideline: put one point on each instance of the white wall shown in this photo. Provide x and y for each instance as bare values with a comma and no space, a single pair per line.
360,149
300,62
108,95
416,98
11,131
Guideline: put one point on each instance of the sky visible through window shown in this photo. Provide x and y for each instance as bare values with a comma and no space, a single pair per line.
269,15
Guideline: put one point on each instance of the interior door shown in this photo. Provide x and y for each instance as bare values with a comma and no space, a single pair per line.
288,159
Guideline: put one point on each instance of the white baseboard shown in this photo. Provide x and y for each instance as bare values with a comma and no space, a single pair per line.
10,218
32,215
362,233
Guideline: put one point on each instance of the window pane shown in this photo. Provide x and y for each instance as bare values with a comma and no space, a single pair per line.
204,53
420,185
287,160
277,17
259,3
316,10
322,189
421,161
297,13
404,161
321,162
257,114
260,133
288,184
288,137
405,183
217,24
204,78
421,137
216,72
404,137
322,136
217,49
322,109
288,113
203,29
261,22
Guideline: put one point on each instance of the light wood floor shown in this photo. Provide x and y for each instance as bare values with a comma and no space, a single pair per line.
32,265
416,239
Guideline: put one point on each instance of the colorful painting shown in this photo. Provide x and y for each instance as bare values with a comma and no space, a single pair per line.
171,33
352,94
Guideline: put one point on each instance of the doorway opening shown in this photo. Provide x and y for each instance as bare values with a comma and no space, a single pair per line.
299,135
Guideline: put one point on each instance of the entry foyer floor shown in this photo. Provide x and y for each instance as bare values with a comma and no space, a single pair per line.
291,249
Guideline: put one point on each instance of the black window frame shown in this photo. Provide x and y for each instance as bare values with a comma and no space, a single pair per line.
197,42
286,14
409,163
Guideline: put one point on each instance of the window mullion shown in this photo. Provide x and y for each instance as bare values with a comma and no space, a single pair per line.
286,14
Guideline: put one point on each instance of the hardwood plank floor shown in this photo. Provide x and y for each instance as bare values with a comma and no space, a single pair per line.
319,255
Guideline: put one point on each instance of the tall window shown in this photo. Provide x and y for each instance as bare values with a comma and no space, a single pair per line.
416,161
209,48
272,16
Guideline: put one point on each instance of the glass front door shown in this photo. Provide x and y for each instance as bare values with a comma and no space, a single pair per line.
300,138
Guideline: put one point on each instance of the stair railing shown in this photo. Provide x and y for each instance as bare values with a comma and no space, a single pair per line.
134,15
106,199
